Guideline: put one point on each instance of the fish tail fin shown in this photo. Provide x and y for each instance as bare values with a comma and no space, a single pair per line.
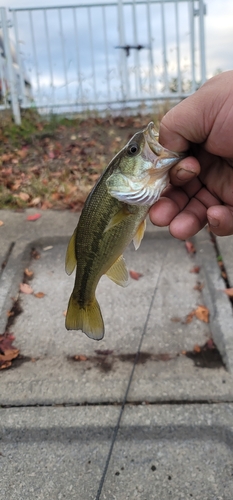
87,318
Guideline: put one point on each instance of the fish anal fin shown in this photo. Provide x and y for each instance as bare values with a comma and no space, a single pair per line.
87,318
139,234
118,217
118,272
71,260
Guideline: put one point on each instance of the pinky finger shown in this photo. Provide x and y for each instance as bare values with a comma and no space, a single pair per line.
220,219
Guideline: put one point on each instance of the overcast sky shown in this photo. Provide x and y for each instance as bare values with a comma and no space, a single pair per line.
218,40
218,27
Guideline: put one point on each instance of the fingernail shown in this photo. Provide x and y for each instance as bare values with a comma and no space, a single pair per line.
184,175
213,222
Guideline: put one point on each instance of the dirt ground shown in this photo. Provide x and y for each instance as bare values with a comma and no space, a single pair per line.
54,163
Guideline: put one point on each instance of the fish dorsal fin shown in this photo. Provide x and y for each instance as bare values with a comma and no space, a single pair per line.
118,272
139,234
118,217
71,260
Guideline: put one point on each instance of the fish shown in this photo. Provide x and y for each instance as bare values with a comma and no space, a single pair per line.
114,215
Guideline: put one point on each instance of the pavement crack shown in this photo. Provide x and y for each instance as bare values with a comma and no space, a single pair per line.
177,402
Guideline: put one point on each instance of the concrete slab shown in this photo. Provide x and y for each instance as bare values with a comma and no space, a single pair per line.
54,453
161,451
16,235
49,375
172,452
221,312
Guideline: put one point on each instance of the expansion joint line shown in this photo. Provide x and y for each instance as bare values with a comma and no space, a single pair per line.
129,384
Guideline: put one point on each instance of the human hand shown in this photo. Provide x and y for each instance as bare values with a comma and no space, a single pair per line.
201,188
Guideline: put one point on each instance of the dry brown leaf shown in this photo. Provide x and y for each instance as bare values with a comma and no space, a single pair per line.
39,295
134,275
195,269
35,201
9,354
5,364
25,288
10,314
7,351
190,247
189,317
80,357
29,274
202,313
23,196
228,291
35,254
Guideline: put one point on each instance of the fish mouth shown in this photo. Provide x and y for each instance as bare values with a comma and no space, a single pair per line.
165,158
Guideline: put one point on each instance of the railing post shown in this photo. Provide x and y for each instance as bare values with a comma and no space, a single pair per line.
10,69
202,12
123,62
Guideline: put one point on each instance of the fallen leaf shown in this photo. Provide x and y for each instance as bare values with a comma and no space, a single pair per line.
29,274
33,217
134,275
39,295
23,196
195,269
80,357
175,319
202,313
228,291
35,254
1,223
10,314
190,247
189,317
7,351
25,288
35,201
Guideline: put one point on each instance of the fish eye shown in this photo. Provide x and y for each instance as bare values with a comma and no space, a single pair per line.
133,149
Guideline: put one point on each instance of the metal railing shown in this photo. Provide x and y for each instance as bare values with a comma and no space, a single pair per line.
103,55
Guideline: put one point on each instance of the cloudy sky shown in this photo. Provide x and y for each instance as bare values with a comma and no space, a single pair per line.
218,41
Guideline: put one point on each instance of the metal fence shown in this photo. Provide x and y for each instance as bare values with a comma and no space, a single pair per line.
103,55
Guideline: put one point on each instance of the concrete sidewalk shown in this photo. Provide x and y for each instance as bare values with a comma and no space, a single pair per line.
63,430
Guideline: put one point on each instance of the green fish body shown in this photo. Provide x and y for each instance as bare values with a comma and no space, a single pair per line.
114,215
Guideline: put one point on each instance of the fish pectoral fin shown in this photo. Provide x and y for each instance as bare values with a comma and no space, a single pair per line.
118,218
87,318
119,272
139,234
71,260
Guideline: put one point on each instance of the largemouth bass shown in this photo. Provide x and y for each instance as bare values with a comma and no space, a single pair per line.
114,215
